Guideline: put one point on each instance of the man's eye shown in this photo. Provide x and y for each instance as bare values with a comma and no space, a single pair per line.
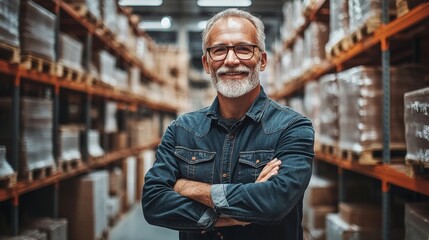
243,49
219,51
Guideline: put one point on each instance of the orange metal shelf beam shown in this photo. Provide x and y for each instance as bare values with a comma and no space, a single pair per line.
24,187
389,173
416,15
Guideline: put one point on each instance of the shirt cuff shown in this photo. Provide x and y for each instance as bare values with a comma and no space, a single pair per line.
218,194
208,220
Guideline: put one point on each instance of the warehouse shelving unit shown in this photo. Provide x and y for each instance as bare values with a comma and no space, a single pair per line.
388,173
15,76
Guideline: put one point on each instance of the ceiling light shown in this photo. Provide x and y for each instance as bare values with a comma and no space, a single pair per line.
140,2
165,23
224,3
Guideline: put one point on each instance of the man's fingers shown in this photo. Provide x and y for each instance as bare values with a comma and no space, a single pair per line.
270,169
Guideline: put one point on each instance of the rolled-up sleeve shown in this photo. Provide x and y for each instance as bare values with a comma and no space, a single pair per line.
270,201
162,206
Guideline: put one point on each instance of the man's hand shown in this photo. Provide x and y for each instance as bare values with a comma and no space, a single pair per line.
269,170
196,191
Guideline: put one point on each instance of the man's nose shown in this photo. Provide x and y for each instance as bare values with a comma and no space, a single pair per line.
231,58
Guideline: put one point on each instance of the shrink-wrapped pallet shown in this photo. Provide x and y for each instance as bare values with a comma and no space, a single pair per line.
361,106
312,106
286,67
366,13
5,168
315,39
83,201
287,29
123,28
55,229
69,145
94,148
70,51
416,221
297,58
329,129
106,64
121,77
135,84
9,22
93,7
110,122
37,31
109,14
338,22
417,125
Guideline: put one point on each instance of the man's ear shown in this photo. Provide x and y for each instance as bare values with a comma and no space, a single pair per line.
205,63
263,61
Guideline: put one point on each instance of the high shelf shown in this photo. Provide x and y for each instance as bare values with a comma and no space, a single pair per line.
19,80
400,40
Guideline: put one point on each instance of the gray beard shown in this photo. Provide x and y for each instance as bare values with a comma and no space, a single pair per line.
236,88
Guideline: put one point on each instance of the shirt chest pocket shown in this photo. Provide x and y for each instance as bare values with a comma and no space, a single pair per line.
195,164
251,163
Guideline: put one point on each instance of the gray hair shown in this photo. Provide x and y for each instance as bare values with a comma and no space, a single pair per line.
234,12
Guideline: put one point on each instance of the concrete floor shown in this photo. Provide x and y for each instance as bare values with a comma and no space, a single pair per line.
133,226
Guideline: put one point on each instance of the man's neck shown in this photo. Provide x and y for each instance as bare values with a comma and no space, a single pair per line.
235,108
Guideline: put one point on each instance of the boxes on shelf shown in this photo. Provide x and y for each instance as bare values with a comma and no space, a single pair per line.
321,192
121,77
312,107
360,214
416,106
404,6
109,14
87,6
94,148
297,58
144,52
106,64
135,85
315,38
9,25
69,146
37,31
338,22
83,201
116,182
131,178
338,229
70,52
360,105
5,168
110,123
416,221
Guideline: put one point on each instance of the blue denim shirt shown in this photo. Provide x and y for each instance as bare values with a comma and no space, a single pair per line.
197,146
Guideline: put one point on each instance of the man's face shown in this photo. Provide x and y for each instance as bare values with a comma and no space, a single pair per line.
233,77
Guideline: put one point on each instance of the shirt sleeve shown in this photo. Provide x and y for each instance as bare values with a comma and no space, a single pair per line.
271,201
162,206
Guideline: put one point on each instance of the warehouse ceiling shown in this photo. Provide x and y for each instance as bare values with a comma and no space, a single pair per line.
186,14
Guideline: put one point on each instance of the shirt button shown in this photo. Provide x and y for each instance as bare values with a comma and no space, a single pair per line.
224,175
230,137
194,158
257,161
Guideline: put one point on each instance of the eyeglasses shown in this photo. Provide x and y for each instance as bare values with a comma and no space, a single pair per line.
243,52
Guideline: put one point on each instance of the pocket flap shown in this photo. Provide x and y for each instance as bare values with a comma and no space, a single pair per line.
256,159
192,156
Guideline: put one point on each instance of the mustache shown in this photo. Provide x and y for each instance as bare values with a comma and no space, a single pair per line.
224,70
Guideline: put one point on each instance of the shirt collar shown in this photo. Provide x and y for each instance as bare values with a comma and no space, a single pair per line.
255,111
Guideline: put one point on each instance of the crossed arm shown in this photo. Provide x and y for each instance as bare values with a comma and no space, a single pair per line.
200,192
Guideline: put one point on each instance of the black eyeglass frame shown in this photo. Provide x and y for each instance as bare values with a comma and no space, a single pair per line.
233,49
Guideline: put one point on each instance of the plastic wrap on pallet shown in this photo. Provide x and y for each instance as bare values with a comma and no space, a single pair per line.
123,28
92,6
338,229
361,102
110,122
135,84
109,14
287,29
329,130
9,22
36,133
338,22
312,104
69,143
37,31
315,39
94,148
121,77
70,51
55,228
297,58
416,221
286,67
366,12
106,66
417,125
5,168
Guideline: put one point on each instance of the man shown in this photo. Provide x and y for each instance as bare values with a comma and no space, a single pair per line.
239,168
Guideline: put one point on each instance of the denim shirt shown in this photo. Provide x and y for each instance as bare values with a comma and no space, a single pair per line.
198,147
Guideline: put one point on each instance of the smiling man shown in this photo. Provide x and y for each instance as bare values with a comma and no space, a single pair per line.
236,170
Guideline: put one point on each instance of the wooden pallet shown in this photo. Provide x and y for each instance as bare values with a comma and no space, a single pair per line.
98,83
38,64
9,53
95,160
70,165
371,156
416,168
39,173
69,74
329,149
83,12
104,31
8,181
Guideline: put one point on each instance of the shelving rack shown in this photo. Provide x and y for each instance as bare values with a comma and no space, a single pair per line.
388,173
15,75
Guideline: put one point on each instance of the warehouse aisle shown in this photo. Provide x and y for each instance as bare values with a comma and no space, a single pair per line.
133,226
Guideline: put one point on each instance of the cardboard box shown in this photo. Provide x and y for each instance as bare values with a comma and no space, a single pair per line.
360,214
